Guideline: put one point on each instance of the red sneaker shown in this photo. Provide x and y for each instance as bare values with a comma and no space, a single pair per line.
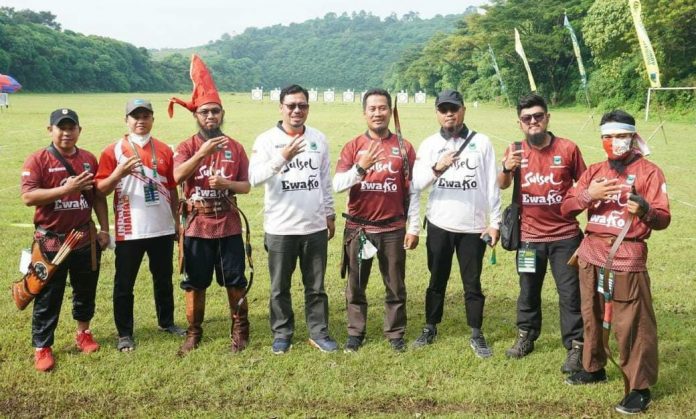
85,342
43,359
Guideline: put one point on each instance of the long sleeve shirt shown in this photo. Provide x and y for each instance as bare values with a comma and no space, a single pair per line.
380,194
606,218
466,197
298,195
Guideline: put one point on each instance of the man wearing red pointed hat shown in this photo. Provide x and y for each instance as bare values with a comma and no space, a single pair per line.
625,198
139,170
213,168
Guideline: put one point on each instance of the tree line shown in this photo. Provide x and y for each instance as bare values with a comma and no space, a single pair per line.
608,43
337,51
360,50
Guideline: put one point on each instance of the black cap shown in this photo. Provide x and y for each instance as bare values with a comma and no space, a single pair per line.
449,96
134,104
61,114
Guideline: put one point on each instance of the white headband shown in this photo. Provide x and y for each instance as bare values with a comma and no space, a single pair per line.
617,128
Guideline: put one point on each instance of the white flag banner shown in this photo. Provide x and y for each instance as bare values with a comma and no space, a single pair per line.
520,52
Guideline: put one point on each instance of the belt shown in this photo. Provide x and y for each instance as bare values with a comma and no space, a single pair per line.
377,223
208,207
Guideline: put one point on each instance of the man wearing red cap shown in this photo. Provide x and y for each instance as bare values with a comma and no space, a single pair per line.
64,201
213,168
626,198
139,170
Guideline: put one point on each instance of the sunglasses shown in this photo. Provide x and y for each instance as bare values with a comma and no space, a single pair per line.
537,117
292,106
447,108
206,112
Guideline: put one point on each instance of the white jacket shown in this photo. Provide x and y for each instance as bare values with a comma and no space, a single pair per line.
466,198
298,192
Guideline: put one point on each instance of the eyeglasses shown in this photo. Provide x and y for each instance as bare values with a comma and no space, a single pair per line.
623,136
537,117
447,108
206,112
292,106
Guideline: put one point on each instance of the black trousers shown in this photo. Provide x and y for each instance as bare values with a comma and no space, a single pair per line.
48,303
129,256
441,246
529,316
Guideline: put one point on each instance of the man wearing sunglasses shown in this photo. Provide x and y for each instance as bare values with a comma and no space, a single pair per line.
213,169
463,213
292,161
547,166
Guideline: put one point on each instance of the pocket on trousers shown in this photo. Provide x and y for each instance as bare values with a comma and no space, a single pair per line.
625,287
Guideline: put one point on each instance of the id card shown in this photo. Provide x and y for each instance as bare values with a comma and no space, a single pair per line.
151,194
526,260
605,285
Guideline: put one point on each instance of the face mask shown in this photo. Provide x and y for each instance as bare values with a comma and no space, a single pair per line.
617,148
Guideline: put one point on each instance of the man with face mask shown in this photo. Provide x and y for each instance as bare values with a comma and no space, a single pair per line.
463,210
213,168
548,166
138,169
626,195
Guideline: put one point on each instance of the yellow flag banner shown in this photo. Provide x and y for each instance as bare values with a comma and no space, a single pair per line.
520,52
645,46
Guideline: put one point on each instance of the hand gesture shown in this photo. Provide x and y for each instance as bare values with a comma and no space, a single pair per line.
295,147
373,154
127,166
604,188
212,145
446,160
82,182
513,160
218,182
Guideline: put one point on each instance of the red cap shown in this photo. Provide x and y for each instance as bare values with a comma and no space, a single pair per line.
204,90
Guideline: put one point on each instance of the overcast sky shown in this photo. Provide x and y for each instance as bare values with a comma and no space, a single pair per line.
188,23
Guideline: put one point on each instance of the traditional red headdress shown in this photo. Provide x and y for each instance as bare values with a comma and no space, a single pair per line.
204,90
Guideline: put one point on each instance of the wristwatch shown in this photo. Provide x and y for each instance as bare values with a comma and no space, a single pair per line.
505,169
360,170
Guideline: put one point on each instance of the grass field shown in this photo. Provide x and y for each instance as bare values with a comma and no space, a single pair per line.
444,379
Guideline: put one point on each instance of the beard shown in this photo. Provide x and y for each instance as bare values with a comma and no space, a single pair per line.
537,139
210,133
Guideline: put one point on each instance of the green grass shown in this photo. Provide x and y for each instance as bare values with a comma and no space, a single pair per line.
445,379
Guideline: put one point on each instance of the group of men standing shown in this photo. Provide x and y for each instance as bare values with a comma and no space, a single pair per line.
383,176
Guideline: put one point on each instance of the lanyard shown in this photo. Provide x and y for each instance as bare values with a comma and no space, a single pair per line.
152,152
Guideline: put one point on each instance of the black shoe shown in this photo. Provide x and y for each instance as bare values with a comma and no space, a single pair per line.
573,362
426,338
353,344
522,347
173,329
637,401
398,344
480,347
584,377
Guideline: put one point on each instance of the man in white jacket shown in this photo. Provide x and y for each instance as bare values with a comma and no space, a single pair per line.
463,213
292,161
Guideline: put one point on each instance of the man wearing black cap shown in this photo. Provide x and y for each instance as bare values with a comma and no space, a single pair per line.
64,201
463,213
139,170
